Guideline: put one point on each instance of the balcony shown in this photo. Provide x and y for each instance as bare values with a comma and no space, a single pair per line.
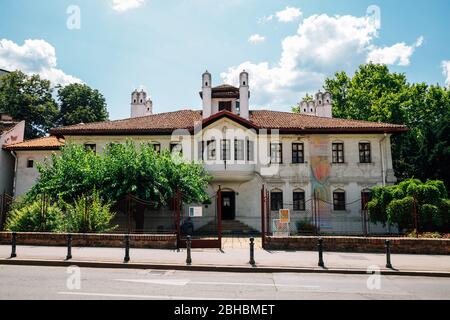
230,171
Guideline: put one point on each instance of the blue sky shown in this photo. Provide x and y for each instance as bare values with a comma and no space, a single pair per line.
288,47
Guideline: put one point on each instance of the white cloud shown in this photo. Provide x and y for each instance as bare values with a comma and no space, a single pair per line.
34,56
289,14
321,46
446,71
265,19
256,38
125,5
399,53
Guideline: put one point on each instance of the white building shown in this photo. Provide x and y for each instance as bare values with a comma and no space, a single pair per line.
318,167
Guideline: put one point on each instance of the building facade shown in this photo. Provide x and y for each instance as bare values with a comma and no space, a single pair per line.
310,163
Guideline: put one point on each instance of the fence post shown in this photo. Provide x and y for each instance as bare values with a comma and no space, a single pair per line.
252,252
188,249
13,245
388,254
127,248
320,246
69,247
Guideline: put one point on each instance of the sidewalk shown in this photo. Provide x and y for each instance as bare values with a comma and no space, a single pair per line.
230,259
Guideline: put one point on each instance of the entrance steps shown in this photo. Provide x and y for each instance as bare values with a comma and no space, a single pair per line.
229,227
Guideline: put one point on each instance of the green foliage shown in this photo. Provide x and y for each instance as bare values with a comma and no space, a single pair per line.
89,215
80,104
28,98
120,170
305,225
376,94
27,217
395,205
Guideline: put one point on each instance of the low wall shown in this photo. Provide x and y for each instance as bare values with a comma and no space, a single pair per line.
91,240
361,244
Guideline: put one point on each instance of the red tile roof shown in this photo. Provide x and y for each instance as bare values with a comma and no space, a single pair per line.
46,143
286,122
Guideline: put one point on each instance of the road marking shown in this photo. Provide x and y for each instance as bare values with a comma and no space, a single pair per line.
169,282
184,282
138,296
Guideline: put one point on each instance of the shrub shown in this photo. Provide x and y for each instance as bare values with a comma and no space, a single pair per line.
27,217
89,215
305,225
395,205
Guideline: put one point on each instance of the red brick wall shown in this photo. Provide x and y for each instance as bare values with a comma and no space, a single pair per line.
361,244
92,240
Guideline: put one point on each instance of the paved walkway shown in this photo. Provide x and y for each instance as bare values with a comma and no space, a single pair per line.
236,257
240,242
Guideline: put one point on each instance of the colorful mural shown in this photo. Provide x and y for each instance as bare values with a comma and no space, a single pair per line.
320,168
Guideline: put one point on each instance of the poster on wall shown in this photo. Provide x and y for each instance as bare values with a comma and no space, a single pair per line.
285,216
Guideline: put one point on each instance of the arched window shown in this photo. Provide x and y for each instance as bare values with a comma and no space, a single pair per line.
276,200
339,200
299,200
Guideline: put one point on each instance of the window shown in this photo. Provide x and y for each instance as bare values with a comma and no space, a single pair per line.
338,153
299,200
364,153
238,107
297,153
176,147
30,163
250,150
339,201
239,150
90,146
225,105
276,200
366,197
276,153
211,146
226,151
157,147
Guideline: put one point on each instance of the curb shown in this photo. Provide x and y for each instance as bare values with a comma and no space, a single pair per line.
210,268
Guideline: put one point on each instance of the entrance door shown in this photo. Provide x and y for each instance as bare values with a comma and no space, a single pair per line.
228,205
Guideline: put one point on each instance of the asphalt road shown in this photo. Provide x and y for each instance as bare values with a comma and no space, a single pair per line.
23,282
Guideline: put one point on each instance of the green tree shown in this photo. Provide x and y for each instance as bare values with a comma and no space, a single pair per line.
80,104
120,170
28,98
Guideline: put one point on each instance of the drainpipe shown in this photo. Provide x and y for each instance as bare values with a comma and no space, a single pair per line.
13,153
383,170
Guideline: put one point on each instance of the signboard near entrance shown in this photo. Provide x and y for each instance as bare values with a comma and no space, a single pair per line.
285,216
195,212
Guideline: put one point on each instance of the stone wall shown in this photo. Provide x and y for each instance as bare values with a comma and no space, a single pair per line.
361,244
91,240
